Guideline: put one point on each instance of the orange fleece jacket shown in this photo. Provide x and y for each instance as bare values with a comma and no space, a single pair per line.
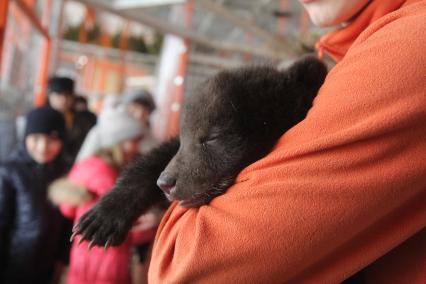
343,190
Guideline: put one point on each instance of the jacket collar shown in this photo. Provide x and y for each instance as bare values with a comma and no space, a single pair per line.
21,154
337,43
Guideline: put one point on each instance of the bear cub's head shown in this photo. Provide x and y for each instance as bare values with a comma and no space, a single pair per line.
232,120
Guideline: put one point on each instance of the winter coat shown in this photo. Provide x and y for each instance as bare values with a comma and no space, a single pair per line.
82,122
97,266
343,191
31,228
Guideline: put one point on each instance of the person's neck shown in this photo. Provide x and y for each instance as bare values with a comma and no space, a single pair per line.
348,22
69,117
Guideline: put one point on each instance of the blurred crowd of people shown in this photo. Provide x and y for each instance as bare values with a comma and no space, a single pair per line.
67,159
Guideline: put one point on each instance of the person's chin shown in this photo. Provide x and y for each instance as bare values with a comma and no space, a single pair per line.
42,159
321,21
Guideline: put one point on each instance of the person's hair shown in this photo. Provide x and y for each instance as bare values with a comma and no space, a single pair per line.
80,99
62,85
144,98
113,156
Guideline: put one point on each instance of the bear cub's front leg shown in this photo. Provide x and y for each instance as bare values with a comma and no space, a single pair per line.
110,220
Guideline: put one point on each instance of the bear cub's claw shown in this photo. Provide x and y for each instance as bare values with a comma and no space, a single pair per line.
101,227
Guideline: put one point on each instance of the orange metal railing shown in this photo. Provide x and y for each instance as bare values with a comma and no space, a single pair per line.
3,20
24,11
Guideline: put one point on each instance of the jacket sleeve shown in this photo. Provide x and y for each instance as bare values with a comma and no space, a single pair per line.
7,212
341,189
68,195
145,227
141,237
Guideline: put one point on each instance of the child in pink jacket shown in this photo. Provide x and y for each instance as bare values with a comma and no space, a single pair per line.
111,144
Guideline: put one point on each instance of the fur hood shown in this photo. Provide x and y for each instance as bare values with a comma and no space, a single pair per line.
87,181
64,191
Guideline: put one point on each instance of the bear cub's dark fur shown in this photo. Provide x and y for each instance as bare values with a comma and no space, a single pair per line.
229,122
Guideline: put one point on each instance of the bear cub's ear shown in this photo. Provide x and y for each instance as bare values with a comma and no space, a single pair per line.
309,71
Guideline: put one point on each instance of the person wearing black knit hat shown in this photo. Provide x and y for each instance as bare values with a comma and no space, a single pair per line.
61,97
44,134
46,121
32,236
60,92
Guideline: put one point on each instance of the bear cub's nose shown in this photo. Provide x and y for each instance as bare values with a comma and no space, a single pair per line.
166,183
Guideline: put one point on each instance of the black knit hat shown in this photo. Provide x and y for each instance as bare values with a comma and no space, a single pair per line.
45,120
62,85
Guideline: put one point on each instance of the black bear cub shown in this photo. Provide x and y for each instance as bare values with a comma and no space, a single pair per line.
229,122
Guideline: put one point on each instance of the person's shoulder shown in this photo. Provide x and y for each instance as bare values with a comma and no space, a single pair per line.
85,119
85,115
12,169
91,168
94,173
90,163
402,30
408,25
392,47
5,167
16,159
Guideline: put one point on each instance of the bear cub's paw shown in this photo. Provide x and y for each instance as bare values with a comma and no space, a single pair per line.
103,225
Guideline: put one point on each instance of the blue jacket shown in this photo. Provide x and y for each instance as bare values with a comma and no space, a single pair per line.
32,236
